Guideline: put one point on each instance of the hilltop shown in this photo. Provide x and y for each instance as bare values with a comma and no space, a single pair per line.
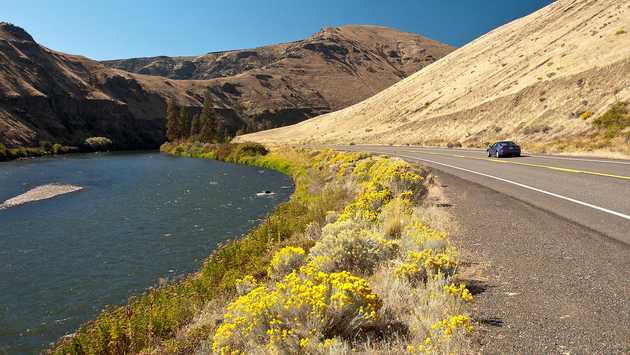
46,95
541,80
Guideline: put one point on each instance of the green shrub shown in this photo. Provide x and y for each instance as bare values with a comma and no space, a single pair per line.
46,145
4,153
25,152
250,149
56,148
615,120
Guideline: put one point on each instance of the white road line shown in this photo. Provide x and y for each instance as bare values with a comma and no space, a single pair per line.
602,209
411,149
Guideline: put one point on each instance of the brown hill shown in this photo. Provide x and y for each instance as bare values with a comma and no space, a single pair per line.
283,84
541,79
57,97
52,96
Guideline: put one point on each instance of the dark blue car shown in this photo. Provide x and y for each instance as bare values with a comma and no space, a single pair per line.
504,149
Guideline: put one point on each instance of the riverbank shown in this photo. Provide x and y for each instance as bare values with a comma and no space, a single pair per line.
354,254
7,154
92,145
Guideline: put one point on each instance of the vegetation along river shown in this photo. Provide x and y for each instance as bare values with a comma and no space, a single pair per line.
115,225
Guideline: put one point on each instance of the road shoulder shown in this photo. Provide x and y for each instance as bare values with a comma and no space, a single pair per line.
544,284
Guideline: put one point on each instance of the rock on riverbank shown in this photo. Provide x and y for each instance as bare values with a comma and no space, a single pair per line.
40,193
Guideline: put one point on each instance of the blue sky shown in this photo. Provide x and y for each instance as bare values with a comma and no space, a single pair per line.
109,29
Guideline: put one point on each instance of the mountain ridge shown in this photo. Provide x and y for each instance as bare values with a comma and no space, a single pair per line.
146,65
52,96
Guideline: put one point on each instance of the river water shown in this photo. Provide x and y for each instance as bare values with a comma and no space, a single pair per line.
140,217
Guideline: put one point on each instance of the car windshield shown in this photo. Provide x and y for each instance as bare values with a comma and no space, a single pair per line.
508,144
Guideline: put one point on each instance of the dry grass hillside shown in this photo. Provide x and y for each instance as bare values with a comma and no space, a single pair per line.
50,96
543,80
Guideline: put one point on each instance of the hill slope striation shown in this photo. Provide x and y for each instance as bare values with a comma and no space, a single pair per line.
540,79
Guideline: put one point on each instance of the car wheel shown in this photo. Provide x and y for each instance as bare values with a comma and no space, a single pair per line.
498,155
489,155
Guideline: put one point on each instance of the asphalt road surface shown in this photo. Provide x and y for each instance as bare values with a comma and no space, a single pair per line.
550,237
594,193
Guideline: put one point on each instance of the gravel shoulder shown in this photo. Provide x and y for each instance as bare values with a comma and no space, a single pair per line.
544,284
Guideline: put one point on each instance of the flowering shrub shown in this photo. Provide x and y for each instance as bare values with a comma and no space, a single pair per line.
420,265
313,231
285,261
362,170
420,234
382,181
299,312
448,326
245,285
442,333
368,204
459,291
319,307
344,162
355,250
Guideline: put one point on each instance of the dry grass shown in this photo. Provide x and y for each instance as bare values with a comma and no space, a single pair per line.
393,223
411,316
411,312
460,98
592,145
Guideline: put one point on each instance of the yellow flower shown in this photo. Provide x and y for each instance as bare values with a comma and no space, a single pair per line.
451,324
459,291
304,296
285,260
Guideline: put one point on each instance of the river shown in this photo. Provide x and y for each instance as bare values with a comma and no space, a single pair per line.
139,218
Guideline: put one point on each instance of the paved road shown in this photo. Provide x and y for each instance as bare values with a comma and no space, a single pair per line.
549,237
594,193
544,284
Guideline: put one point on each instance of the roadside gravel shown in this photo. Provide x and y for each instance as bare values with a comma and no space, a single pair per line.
545,284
